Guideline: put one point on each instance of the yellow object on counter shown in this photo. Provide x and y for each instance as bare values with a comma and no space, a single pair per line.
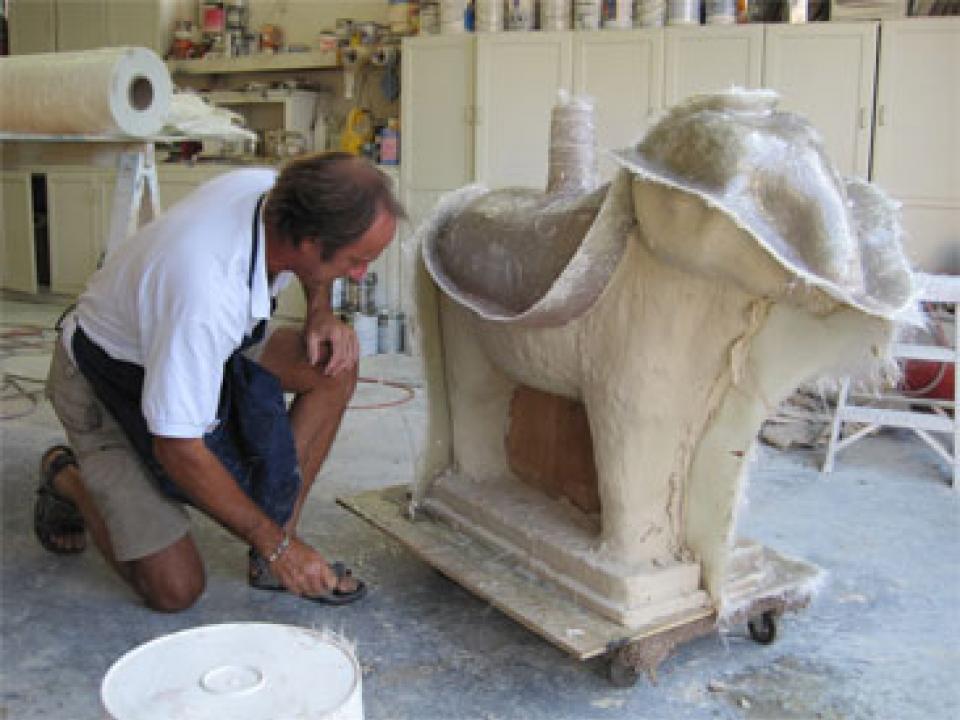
357,131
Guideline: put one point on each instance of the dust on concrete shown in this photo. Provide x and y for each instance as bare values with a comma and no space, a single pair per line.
790,688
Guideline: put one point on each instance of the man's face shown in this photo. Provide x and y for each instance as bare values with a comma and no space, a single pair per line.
352,260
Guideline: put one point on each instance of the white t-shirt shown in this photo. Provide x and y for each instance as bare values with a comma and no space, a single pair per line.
175,300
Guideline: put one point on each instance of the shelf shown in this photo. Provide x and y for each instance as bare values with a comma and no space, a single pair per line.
255,63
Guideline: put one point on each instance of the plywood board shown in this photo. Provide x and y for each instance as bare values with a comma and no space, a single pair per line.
759,579
532,602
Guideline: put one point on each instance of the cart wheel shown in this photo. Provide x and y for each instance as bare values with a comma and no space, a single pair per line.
621,671
763,628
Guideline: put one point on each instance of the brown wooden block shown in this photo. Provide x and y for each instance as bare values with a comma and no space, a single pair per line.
549,446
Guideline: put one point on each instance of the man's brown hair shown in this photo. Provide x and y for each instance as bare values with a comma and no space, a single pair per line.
330,197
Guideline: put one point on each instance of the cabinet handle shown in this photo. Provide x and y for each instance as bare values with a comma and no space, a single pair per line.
863,118
882,116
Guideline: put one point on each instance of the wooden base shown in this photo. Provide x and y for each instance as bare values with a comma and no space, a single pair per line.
760,579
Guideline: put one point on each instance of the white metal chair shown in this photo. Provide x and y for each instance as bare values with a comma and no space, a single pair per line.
935,419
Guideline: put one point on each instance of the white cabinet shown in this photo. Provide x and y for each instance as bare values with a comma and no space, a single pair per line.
76,211
478,108
147,23
701,59
175,182
436,112
518,78
602,61
81,25
826,72
917,136
32,26
66,25
18,270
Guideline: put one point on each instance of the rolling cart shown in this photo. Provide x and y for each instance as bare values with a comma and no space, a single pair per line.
761,585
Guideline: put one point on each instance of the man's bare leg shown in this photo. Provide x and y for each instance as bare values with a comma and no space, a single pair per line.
169,580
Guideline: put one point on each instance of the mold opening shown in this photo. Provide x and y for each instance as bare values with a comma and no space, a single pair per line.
549,447
140,93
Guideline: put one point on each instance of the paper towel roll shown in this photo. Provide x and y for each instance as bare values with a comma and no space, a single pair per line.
111,91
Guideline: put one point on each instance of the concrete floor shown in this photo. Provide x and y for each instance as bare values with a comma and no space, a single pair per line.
879,641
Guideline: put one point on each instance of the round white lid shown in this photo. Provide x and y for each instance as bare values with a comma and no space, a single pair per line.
241,671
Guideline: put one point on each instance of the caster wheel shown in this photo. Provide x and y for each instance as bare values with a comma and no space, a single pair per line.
621,672
763,628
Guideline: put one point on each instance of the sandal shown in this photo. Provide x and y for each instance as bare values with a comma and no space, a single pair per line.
53,514
261,577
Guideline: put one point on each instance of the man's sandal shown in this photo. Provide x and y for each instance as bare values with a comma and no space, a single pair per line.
54,515
261,577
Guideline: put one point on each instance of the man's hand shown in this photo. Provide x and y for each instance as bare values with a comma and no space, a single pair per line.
303,571
343,348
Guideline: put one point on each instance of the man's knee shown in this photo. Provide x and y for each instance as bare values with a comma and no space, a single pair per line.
337,388
172,593
349,381
172,580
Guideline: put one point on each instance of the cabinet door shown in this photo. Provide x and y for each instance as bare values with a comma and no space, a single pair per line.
19,265
144,23
33,26
436,112
81,24
826,72
917,136
75,206
711,59
623,73
518,78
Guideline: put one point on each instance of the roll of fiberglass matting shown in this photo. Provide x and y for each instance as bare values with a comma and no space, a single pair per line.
112,91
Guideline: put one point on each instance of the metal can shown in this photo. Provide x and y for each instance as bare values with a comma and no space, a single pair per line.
337,294
368,297
352,301
400,340
385,340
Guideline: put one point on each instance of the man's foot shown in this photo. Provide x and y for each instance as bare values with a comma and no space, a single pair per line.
56,520
349,589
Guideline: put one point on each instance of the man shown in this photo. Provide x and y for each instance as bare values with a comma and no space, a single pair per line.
167,385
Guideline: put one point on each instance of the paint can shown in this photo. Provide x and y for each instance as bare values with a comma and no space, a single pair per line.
400,338
337,294
386,333
617,14
520,14
368,300
720,12
586,14
649,13
352,295
365,326
430,17
453,16
683,12
555,14
490,16
241,671
399,15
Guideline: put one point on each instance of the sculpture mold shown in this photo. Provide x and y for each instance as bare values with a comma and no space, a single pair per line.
725,264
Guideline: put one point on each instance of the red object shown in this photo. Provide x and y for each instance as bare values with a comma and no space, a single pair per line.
929,379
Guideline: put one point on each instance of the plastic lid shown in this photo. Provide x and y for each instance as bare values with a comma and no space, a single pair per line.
241,671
